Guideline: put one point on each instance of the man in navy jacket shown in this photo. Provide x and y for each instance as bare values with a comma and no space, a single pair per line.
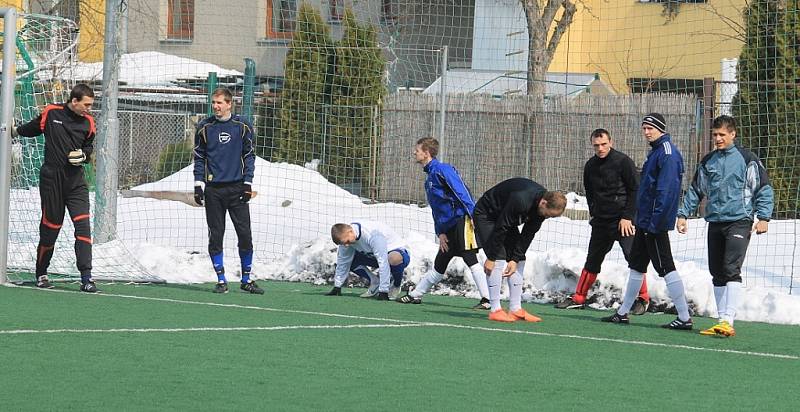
224,164
657,209
452,206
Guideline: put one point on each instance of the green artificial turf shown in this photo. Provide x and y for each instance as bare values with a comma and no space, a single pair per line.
160,347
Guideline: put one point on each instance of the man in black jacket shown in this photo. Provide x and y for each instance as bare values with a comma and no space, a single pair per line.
611,181
498,215
68,137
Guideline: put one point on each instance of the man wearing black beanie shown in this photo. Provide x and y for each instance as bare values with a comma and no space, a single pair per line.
657,211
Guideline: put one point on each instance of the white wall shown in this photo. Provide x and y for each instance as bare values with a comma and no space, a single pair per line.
494,21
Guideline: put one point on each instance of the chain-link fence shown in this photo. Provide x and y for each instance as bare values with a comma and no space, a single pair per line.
143,139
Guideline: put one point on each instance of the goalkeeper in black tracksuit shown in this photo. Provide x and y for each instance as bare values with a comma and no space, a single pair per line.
224,164
69,132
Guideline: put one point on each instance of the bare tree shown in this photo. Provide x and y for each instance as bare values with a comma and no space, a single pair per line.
542,41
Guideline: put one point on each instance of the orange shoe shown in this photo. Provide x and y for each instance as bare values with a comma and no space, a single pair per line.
521,314
501,316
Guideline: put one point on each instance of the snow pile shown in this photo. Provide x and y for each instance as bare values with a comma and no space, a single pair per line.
152,69
296,206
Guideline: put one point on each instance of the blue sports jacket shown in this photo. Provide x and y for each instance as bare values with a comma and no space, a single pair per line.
223,151
736,184
659,187
447,195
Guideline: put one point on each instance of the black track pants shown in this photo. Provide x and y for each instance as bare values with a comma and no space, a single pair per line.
727,246
602,240
219,200
63,188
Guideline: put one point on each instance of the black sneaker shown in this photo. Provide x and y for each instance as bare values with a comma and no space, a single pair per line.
483,305
382,296
336,291
409,299
43,282
221,287
569,303
251,287
679,324
89,287
640,306
617,318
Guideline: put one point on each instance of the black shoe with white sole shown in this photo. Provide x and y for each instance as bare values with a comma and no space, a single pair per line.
679,324
483,305
617,318
89,287
409,299
251,287
43,282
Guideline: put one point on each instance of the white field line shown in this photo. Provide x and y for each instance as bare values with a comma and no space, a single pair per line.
207,329
234,306
623,341
398,322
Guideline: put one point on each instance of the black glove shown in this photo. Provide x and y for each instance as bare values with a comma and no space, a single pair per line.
335,292
199,195
246,193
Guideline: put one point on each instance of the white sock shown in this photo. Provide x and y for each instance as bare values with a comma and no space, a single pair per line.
494,282
631,291
431,278
515,287
719,296
677,294
374,281
514,292
733,296
479,276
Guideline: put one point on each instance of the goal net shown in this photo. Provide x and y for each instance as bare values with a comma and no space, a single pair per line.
339,91
45,60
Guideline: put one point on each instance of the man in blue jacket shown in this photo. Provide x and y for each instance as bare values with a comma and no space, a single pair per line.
657,208
736,186
224,164
452,206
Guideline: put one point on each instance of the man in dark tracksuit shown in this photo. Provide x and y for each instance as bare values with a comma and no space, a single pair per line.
224,165
657,209
498,215
452,208
69,132
736,186
611,181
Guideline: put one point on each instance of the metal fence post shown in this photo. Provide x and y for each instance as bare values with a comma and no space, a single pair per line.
443,103
105,216
6,123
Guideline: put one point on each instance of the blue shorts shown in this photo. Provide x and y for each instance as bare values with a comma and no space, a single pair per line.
363,259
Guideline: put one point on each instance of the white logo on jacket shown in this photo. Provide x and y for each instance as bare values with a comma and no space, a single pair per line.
224,137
